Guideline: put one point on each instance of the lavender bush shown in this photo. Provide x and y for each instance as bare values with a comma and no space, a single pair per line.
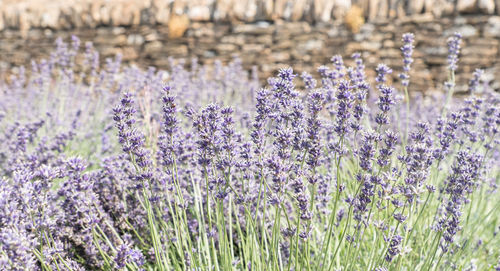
107,167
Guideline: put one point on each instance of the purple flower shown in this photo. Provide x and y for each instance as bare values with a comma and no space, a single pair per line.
130,138
344,99
127,255
367,150
418,160
407,50
309,81
385,153
207,125
338,64
263,109
167,142
316,101
461,181
358,75
454,51
394,247
382,70
474,81
446,129
385,102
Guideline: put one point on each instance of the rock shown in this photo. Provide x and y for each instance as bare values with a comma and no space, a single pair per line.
151,36
287,11
209,54
340,8
390,53
378,9
467,31
416,6
222,10
127,53
225,47
362,47
279,9
135,39
203,32
176,50
310,45
364,5
433,51
326,11
492,28
293,28
486,6
251,10
418,18
429,5
162,15
245,10
383,10
280,56
252,48
264,39
199,13
50,17
365,32
255,29
2,24
441,7
153,47
146,17
268,7
105,14
111,40
283,45
373,9
118,30
354,19
116,14
299,7
161,11
136,14
388,44
466,6
177,25
24,24
480,51
235,39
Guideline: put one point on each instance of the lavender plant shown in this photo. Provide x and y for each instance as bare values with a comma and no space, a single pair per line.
109,167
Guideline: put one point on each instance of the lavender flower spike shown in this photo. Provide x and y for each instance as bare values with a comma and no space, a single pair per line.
474,82
407,51
453,51
382,70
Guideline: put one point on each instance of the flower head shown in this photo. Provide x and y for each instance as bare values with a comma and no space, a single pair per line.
407,51
454,50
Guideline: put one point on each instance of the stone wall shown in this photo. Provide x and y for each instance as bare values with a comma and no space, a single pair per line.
67,14
271,44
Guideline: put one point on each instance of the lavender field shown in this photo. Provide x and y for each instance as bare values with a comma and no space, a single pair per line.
109,167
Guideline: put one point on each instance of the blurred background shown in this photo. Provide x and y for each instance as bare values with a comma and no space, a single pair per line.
267,34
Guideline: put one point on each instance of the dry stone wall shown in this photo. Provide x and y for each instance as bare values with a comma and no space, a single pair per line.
68,14
266,33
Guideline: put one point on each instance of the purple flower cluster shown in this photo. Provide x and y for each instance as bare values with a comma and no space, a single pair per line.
194,170
474,81
407,49
454,51
462,181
